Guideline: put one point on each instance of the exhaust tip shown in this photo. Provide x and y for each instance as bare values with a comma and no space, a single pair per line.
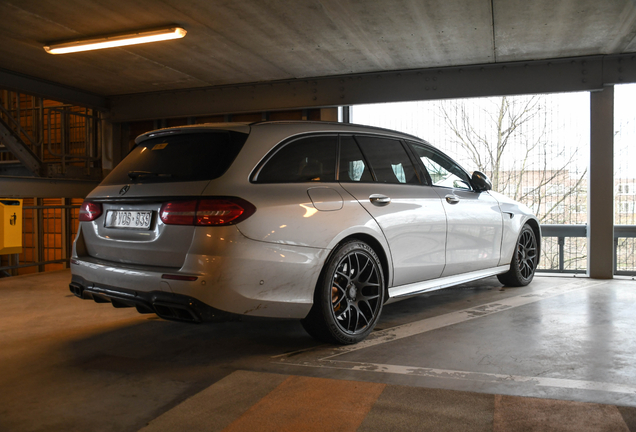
143,309
176,312
120,304
76,289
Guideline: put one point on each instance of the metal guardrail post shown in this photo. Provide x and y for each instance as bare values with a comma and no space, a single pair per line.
561,241
66,232
622,231
615,269
14,260
38,242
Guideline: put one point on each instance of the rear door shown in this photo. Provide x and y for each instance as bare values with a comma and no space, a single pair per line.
475,222
296,194
378,172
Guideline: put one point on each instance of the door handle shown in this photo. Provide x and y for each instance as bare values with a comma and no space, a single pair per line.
379,199
451,199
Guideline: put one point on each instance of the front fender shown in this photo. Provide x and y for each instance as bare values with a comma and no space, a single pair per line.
514,216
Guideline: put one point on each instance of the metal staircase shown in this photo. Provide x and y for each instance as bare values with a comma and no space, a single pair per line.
47,139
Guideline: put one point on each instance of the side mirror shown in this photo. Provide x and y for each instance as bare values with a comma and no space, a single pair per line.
481,182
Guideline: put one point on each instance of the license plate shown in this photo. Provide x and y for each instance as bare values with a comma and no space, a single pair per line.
137,219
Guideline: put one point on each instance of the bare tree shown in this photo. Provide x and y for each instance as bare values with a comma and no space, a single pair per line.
517,153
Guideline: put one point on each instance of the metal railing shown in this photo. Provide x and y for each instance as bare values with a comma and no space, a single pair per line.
624,232
72,135
48,232
563,232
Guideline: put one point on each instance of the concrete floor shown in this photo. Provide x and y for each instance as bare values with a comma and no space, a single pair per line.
557,355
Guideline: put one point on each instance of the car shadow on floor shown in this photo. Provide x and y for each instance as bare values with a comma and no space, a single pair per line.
150,342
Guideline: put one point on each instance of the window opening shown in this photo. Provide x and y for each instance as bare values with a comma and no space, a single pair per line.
390,162
353,167
534,148
309,159
443,172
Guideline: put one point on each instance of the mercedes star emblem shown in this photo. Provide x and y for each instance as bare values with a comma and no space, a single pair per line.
123,190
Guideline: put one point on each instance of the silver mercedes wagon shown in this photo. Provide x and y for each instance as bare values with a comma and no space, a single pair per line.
322,222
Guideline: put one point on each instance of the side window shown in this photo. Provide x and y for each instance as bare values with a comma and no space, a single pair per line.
442,170
353,168
310,159
388,159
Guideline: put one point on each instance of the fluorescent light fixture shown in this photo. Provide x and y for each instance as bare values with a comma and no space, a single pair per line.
139,37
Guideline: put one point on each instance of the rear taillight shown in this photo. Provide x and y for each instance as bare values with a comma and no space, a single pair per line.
90,211
218,212
178,212
206,212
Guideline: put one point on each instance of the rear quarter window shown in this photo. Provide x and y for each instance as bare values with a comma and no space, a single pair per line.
308,159
178,158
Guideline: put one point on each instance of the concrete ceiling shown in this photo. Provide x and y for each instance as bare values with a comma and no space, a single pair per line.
233,42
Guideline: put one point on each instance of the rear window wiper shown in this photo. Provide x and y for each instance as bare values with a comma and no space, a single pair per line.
144,174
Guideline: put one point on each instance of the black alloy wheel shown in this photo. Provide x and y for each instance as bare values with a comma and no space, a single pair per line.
349,295
525,260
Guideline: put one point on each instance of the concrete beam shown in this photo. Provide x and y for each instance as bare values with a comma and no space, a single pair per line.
600,233
493,79
24,84
549,76
619,69
21,187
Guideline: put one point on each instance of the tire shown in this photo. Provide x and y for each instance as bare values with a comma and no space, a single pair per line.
349,295
524,261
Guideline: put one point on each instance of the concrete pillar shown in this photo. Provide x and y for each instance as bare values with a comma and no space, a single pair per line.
600,196
329,114
346,114
111,141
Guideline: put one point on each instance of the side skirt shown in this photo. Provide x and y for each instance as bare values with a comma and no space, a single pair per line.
404,291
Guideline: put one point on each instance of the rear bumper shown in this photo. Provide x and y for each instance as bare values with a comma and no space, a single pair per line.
167,305
231,274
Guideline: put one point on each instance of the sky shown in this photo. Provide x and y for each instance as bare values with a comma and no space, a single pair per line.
625,131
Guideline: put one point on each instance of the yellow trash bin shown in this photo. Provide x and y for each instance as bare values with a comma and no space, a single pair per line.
10,226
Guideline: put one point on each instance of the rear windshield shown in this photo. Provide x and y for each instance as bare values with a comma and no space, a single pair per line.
178,158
